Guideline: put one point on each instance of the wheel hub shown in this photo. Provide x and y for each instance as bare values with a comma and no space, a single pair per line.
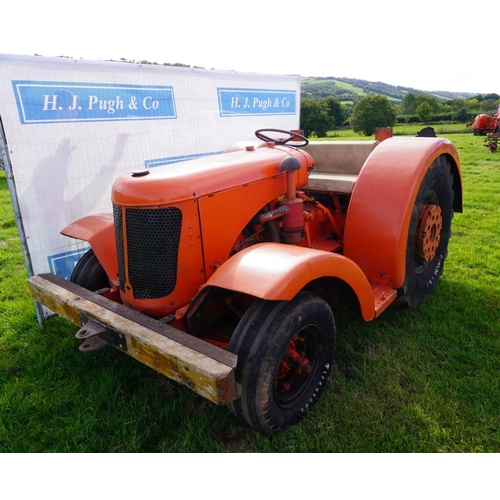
430,223
294,364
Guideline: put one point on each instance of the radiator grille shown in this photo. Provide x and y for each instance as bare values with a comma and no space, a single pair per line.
117,216
152,241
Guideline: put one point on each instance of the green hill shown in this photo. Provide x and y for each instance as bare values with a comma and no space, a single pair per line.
351,89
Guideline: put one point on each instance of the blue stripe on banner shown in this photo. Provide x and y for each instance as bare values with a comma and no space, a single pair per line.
63,102
63,264
158,162
244,102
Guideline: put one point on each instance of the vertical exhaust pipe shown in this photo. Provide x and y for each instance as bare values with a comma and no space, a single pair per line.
293,230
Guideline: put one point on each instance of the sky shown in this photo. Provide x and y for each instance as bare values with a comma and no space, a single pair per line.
427,45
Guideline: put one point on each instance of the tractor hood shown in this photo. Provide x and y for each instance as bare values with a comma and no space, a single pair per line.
207,175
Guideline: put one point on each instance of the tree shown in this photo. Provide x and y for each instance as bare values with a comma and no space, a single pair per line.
372,111
461,113
430,100
490,106
409,104
314,117
424,111
335,111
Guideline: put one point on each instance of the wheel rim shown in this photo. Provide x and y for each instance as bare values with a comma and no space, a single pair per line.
298,367
430,224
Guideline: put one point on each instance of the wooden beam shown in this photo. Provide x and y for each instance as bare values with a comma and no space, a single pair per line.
206,369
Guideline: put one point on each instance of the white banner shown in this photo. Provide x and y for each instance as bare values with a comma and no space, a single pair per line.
73,126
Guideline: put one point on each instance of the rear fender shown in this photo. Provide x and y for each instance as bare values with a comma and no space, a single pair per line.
378,219
99,231
275,271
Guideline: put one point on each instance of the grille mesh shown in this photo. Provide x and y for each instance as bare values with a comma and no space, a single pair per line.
152,237
117,216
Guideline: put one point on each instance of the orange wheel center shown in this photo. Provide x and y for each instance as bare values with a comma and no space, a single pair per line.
294,364
430,223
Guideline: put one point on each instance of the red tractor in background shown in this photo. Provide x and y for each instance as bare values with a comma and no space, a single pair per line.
490,127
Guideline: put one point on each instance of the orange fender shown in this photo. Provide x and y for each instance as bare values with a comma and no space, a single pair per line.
99,231
378,219
275,271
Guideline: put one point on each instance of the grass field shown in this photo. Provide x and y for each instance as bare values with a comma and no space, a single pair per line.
423,380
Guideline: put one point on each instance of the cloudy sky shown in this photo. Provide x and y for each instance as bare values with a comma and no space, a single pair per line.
425,44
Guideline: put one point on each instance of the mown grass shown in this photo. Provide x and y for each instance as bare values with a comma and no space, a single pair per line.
421,380
441,129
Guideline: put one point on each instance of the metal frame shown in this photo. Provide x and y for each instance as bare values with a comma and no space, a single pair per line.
7,167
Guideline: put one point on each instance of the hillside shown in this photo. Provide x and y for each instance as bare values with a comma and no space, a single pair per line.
346,90
350,89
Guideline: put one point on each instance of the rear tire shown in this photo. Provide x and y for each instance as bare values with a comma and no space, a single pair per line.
89,273
285,353
426,251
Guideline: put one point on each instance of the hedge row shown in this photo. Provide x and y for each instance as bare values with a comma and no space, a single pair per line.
439,117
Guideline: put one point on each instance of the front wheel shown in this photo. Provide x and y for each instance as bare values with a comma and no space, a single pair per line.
89,273
285,353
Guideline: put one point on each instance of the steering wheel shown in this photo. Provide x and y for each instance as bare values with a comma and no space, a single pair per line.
292,136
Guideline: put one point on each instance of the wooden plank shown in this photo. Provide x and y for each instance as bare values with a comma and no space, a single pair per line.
211,377
183,338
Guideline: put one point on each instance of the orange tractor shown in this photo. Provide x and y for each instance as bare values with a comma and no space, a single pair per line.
223,272
490,127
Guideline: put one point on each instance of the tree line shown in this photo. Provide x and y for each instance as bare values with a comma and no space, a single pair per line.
318,115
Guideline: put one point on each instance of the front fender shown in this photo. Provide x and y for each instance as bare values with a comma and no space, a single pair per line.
274,271
99,231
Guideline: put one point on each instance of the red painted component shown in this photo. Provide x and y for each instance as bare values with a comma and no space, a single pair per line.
380,209
383,133
430,223
274,271
292,231
490,127
99,231
293,364
484,124
290,185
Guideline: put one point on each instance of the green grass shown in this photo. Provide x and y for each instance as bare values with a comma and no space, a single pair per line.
441,129
423,380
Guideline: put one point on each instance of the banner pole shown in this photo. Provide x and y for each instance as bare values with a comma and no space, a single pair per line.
17,212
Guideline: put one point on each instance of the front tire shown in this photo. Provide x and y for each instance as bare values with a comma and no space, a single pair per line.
89,273
429,234
285,353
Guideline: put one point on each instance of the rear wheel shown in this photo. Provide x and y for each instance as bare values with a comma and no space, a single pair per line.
89,273
285,353
429,234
